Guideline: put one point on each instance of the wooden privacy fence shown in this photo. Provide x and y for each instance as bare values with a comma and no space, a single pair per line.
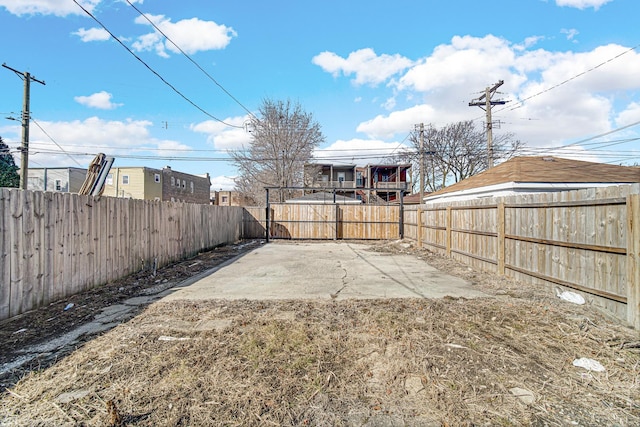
57,244
324,221
587,241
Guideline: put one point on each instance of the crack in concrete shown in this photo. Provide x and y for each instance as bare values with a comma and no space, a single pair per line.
344,282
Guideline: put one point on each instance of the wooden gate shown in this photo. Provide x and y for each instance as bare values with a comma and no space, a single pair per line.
324,222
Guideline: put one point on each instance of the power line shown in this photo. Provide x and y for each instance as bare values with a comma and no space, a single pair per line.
54,141
620,156
201,158
521,102
189,58
214,150
604,134
154,71
570,79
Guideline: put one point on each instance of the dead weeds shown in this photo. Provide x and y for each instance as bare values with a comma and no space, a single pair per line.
505,360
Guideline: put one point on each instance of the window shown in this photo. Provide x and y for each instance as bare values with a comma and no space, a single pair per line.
110,179
58,185
224,199
173,181
184,184
125,179
191,184
157,177
173,200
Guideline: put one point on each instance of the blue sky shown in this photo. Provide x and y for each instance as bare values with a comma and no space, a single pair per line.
368,71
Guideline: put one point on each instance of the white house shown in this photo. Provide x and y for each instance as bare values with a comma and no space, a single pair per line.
536,175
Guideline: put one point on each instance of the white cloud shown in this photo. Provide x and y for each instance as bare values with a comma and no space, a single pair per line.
51,7
83,139
528,42
583,4
368,67
570,33
48,7
467,61
191,35
223,137
92,34
397,121
225,183
565,95
631,114
169,148
358,151
100,100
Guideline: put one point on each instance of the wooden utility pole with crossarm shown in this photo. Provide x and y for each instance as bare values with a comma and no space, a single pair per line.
485,102
24,149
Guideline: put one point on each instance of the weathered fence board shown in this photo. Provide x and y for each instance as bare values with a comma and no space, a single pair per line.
580,240
323,221
5,254
54,245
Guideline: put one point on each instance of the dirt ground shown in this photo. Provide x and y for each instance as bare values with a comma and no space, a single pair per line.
504,360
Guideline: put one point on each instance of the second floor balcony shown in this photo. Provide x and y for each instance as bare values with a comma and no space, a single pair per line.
386,185
335,184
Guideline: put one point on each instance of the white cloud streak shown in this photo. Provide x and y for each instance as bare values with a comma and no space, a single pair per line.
191,35
583,4
223,137
48,7
83,139
367,67
548,105
92,34
100,100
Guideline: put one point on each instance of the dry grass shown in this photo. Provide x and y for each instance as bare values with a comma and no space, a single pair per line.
449,362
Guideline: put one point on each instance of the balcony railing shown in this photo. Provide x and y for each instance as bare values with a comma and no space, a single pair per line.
335,184
380,185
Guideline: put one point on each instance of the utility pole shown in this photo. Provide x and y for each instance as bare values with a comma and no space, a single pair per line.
485,102
421,162
24,149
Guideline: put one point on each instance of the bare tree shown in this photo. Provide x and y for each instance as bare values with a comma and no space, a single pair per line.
456,152
283,140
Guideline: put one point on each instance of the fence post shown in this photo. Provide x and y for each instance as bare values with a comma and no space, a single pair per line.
419,225
501,241
633,260
401,225
337,214
5,259
448,231
267,219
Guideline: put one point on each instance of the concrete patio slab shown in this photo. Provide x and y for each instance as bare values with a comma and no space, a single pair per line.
324,270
